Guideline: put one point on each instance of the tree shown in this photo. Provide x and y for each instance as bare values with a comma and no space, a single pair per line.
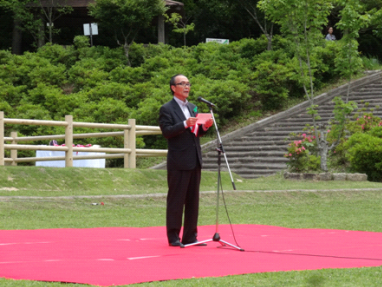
301,21
126,17
52,10
265,27
28,17
24,20
352,20
374,8
180,25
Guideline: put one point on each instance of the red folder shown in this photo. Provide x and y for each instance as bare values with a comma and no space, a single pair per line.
202,118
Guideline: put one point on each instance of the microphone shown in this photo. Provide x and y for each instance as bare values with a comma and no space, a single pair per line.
200,99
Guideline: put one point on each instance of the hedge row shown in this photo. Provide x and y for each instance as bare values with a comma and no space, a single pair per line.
95,84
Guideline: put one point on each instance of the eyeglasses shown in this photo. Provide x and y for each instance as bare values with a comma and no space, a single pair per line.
183,84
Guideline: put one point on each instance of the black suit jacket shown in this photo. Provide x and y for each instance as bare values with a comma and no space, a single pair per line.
184,152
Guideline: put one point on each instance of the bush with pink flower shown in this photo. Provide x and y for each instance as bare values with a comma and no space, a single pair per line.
300,154
364,123
360,125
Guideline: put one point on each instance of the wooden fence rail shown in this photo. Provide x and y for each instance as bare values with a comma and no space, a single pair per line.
129,151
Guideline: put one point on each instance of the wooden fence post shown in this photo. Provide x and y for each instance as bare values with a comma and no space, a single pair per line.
1,138
69,141
130,142
14,151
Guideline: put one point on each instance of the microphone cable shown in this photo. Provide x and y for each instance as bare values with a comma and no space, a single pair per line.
226,209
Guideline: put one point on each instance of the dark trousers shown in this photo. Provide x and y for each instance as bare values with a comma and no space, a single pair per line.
183,191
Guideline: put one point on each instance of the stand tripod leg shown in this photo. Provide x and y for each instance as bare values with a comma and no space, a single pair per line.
196,243
216,236
222,242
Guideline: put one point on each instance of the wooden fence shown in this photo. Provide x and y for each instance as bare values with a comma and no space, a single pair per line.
129,152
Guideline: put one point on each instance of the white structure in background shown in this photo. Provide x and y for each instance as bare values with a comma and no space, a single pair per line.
97,163
220,41
91,29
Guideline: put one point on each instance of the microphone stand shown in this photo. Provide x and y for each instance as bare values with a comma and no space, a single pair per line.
220,151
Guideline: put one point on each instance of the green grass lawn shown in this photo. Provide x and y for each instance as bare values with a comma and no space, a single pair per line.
282,205
45,181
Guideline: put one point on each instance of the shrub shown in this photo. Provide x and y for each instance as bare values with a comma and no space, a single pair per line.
11,94
54,75
364,152
249,48
128,75
95,84
88,73
81,42
364,123
271,77
57,54
231,97
300,158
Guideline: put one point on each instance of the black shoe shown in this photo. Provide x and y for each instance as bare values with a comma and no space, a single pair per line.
176,243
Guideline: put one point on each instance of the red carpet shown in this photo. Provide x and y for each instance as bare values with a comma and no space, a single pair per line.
119,256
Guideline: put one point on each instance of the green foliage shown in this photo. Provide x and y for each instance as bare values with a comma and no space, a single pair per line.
348,61
376,131
88,73
81,42
124,18
24,15
230,96
271,78
249,48
95,84
127,15
128,75
364,152
341,112
10,93
364,123
300,156
352,20
57,54
370,63
325,63
180,25
301,23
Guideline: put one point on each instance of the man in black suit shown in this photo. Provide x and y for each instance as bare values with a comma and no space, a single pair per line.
177,119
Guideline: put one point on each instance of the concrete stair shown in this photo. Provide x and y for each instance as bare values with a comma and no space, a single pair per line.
258,149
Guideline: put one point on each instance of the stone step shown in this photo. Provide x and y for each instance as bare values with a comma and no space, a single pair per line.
256,173
284,129
255,138
252,173
244,160
249,142
239,166
370,91
260,152
229,149
376,105
276,133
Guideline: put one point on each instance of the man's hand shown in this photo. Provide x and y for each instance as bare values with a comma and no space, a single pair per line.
209,123
191,122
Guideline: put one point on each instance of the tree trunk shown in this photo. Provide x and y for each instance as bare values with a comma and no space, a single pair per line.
348,91
126,47
269,47
323,148
161,29
50,33
41,35
16,38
